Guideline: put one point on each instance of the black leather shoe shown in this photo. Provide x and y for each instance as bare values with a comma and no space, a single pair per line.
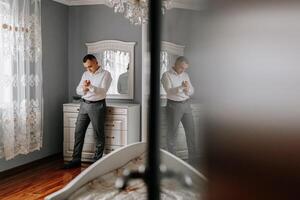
72,164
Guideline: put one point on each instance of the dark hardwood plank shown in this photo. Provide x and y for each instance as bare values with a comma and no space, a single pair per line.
37,181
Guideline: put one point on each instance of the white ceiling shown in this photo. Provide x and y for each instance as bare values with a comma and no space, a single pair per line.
183,4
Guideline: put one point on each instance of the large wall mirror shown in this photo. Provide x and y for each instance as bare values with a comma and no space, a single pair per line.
118,58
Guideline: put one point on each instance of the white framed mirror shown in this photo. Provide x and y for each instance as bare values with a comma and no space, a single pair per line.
118,58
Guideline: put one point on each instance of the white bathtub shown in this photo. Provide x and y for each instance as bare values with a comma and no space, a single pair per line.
118,159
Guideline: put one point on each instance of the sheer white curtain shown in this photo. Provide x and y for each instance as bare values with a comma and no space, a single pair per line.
164,66
116,62
167,60
21,99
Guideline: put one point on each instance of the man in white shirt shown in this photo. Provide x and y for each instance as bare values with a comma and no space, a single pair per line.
178,87
93,86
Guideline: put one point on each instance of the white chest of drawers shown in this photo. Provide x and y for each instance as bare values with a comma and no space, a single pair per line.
122,127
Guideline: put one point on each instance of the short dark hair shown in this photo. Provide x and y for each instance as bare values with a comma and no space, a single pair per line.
89,57
181,59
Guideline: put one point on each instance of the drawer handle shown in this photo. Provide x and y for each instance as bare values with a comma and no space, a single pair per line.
109,149
77,109
110,125
112,137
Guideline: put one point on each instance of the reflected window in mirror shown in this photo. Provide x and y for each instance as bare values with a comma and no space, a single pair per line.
118,58
169,53
164,66
117,63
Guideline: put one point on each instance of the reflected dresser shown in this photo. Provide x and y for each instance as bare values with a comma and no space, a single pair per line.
122,127
181,146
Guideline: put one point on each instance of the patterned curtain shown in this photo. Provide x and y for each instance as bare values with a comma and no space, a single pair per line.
21,99
167,61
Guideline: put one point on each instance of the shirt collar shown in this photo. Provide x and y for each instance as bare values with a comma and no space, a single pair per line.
97,71
174,72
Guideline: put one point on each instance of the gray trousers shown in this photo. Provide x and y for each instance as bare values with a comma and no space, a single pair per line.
176,112
95,113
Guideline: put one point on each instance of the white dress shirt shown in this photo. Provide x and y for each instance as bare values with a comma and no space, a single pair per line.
172,83
100,83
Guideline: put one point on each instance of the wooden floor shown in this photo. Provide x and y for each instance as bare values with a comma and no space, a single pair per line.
38,181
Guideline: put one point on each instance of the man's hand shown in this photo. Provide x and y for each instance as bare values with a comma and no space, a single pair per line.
86,85
186,86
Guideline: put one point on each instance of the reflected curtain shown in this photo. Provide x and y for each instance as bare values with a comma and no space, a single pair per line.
167,61
116,62
21,99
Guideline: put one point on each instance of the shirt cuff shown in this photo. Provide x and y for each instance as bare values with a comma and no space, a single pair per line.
180,89
91,88
79,90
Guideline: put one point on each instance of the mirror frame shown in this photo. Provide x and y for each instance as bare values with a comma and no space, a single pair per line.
172,48
100,46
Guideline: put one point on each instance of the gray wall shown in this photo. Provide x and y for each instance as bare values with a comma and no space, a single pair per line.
251,61
55,82
94,23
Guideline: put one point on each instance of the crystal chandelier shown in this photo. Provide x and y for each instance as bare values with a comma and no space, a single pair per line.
135,10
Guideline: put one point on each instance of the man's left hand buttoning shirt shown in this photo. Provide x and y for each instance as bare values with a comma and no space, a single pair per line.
177,86
96,84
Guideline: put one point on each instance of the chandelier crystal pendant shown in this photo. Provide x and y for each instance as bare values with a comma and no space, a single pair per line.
135,10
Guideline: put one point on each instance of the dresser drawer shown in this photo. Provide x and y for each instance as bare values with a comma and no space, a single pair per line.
111,148
116,122
109,110
115,137
112,122
71,115
116,111
108,125
89,135
111,137
72,109
70,120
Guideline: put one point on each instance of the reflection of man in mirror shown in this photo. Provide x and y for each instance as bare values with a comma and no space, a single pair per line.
123,82
93,86
178,87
